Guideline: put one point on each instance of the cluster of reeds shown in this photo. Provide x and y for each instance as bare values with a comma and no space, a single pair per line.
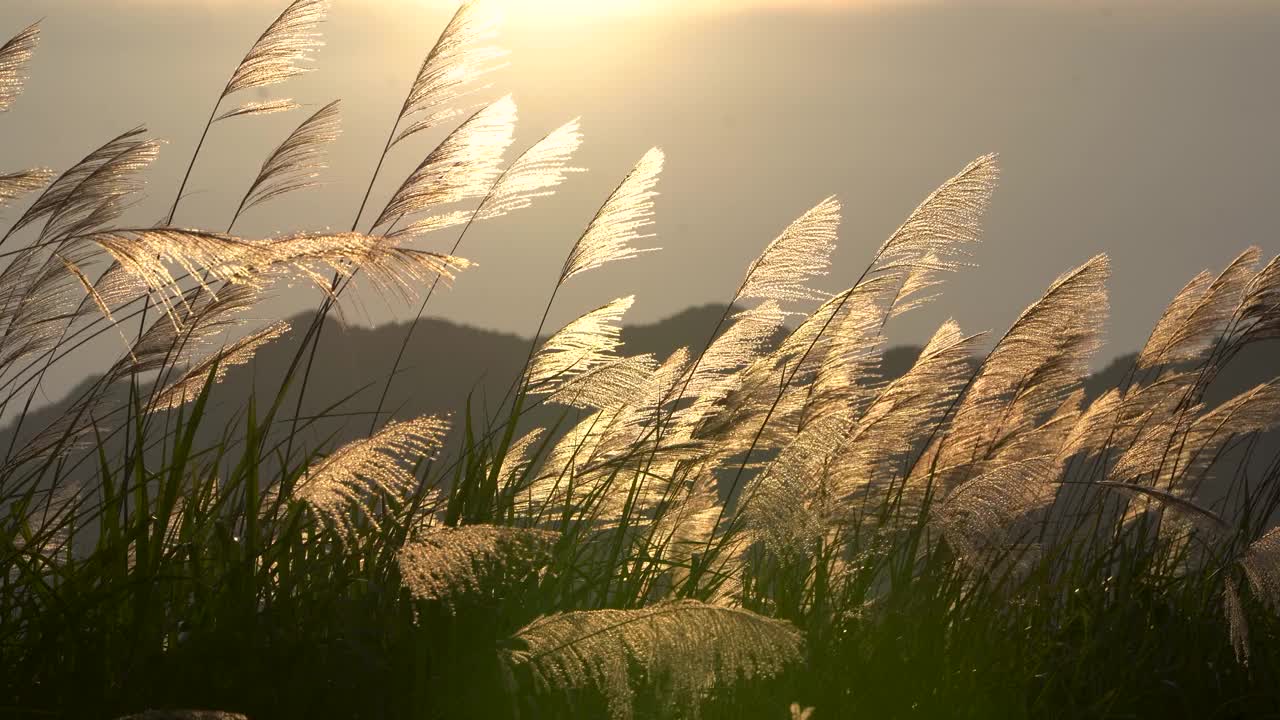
693,527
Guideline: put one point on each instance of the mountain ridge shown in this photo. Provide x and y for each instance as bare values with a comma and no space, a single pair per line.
449,366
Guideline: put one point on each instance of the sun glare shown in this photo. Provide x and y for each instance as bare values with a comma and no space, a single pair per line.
561,10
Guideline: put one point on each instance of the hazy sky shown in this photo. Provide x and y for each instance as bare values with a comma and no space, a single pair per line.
1141,128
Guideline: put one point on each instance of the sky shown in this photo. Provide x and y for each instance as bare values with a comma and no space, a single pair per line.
1140,128
524,10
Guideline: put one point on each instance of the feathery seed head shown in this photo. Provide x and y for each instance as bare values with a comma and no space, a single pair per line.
1198,314
14,55
459,58
801,252
620,222
943,227
444,563
283,46
188,386
534,174
462,167
296,162
580,346
688,646
350,480
16,184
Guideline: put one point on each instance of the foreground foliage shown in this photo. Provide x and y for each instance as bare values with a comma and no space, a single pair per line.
756,527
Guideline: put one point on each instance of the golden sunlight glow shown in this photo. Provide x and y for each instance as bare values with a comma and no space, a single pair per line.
561,10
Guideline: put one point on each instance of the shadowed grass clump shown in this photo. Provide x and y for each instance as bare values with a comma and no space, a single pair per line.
771,525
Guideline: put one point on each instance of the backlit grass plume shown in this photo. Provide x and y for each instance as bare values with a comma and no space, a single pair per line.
279,53
458,60
684,648
296,162
984,519
536,173
1197,315
444,563
275,57
901,416
800,253
150,255
1034,367
14,185
1257,311
620,222
188,334
94,191
788,506
610,386
187,387
346,484
462,167
945,226
580,346
14,55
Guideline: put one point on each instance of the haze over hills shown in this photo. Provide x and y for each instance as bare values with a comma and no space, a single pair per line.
448,365
445,364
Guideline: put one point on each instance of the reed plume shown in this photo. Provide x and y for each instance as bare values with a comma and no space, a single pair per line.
1261,563
93,192
147,254
295,163
187,387
276,56
1259,312
946,224
902,415
610,386
1034,367
535,174
789,505
278,53
14,185
718,372
36,303
801,252
14,55
1237,622
450,70
448,562
1198,314
264,107
348,482
620,222
515,464
983,519
188,333
462,167
687,646
165,342
580,346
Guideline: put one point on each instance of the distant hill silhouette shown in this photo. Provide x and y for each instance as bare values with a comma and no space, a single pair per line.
447,364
